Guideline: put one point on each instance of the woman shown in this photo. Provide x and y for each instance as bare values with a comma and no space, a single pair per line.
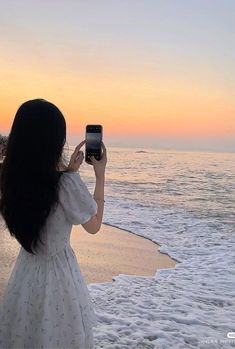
46,302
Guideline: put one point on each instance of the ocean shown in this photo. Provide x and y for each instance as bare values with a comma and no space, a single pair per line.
183,201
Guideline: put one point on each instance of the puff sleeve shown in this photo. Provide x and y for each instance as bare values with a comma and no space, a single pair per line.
76,200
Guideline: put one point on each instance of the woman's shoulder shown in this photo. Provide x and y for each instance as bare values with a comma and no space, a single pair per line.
68,174
69,178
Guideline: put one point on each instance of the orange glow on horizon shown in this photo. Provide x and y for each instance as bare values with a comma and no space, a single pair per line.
138,105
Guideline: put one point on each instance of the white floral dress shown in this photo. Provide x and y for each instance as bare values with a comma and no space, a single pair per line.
46,303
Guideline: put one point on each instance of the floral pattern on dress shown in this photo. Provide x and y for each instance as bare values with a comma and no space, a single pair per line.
46,302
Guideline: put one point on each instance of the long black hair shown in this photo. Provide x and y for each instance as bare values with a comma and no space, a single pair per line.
31,170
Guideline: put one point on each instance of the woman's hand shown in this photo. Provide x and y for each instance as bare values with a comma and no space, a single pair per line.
99,165
76,158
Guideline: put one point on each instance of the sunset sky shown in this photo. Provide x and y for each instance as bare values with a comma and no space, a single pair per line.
154,73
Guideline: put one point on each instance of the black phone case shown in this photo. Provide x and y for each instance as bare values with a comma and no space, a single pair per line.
90,152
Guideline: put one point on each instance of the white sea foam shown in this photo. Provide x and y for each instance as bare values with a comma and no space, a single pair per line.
187,207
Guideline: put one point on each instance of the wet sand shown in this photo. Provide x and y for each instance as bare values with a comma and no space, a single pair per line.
110,252
114,251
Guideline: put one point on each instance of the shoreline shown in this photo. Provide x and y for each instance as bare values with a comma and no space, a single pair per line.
144,237
122,252
101,257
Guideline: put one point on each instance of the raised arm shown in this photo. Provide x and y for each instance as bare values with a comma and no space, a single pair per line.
94,224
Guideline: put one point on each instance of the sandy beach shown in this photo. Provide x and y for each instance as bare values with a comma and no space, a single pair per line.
110,252
114,251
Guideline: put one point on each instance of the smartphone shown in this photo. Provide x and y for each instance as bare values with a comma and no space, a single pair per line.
94,135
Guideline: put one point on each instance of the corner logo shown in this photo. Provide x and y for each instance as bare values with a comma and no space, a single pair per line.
231,335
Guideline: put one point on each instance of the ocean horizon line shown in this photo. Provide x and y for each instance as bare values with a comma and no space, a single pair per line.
161,149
